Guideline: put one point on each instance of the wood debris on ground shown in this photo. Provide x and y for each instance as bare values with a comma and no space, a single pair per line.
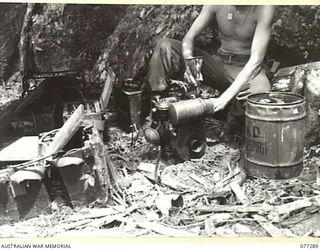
201,197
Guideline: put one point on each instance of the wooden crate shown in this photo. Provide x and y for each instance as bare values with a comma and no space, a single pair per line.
23,201
93,113
93,109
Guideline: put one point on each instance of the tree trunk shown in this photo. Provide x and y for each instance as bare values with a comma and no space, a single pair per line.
24,46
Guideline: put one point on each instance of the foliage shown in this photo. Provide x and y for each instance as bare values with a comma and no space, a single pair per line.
128,53
297,29
89,181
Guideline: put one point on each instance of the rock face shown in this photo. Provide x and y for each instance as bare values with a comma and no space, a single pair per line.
62,36
128,53
303,80
70,37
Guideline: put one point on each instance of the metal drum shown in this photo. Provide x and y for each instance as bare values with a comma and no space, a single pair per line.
275,135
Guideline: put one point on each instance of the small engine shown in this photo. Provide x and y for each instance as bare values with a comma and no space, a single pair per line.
176,118
176,121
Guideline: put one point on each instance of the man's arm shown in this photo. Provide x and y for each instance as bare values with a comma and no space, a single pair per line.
196,28
258,51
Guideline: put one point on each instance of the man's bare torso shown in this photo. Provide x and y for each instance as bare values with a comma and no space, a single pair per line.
236,25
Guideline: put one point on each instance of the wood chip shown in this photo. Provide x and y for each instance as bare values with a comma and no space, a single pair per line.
176,185
165,230
146,167
266,225
263,209
269,227
209,227
198,179
235,187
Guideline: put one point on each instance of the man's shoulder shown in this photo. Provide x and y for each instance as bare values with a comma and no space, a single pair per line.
265,12
265,8
259,9
214,8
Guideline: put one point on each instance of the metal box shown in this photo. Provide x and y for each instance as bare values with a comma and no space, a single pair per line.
22,201
132,108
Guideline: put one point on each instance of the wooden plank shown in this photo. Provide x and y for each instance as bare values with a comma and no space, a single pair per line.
270,228
217,218
23,149
97,223
198,179
235,187
107,89
176,185
74,225
93,213
209,227
66,132
262,209
103,164
165,230
290,207
98,217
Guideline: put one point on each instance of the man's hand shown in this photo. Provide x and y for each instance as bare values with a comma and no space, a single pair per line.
193,73
222,101
188,76
219,104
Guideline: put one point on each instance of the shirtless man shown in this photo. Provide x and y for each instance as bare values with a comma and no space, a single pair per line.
236,70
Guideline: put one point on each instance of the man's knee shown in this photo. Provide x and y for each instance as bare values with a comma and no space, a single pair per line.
165,43
260,84
261,88
164,63
163,47
167,46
